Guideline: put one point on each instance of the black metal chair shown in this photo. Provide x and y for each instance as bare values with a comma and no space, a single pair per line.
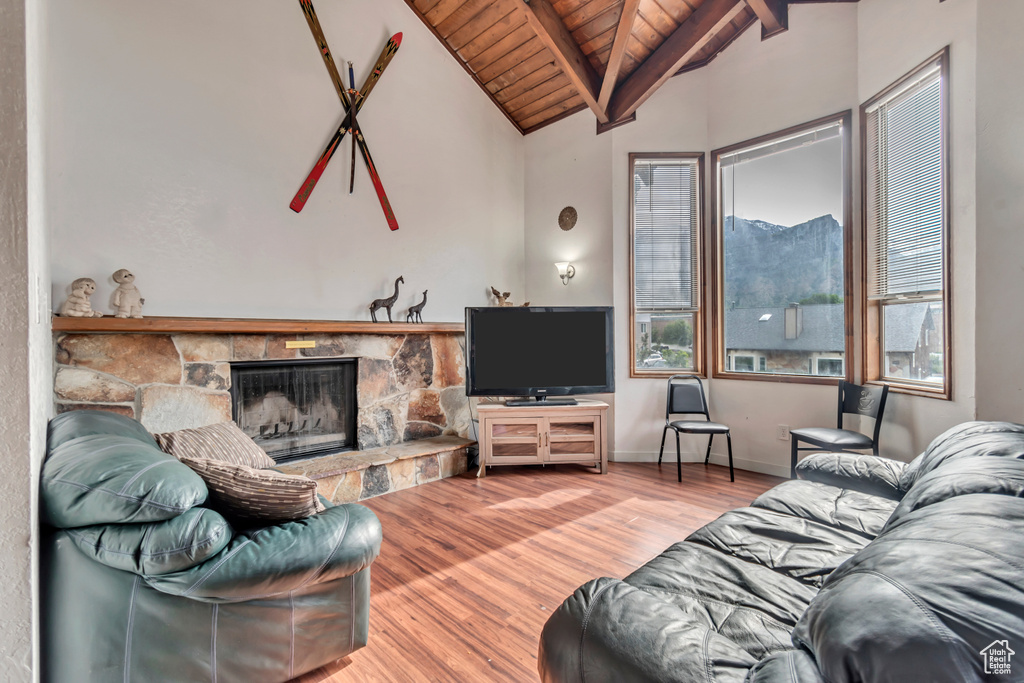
854,399
686,397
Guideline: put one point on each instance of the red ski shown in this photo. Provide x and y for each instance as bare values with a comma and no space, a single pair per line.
348,123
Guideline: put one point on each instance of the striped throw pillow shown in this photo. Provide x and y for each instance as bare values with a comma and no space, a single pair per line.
223,441
252,494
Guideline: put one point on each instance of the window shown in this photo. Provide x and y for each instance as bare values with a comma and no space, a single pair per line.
781,253
830,366
906,232
665,216
743,363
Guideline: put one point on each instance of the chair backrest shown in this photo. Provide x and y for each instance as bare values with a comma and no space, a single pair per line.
685,396
855,399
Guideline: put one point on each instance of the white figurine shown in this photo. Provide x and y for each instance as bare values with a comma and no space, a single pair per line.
127,299
78,304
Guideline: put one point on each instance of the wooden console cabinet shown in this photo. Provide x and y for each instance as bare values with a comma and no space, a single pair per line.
540,435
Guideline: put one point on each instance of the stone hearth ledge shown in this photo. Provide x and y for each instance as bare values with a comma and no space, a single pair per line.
357,475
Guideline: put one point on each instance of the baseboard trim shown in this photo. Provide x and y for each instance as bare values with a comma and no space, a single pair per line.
716,459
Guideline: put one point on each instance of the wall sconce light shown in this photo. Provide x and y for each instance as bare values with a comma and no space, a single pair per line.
565,271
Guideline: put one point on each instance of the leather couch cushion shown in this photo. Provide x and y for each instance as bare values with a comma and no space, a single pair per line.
861,513
752,605
967,440
77,423
109,479
157,547
791,666
608,631
999,476
860,472
799,548
921,601
275,560
223,441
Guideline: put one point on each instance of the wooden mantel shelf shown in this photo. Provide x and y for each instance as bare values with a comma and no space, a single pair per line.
247,326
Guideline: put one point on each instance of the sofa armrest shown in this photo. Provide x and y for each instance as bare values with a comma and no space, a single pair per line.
274,560
609,631
865,473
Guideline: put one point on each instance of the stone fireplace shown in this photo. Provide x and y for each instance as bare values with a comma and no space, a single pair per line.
410,401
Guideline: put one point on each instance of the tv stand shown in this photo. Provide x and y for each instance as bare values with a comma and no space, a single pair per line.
539,434
541,402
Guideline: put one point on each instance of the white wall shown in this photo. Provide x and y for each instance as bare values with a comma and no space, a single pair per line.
24,336
1000,210
834,57
566,165
179,132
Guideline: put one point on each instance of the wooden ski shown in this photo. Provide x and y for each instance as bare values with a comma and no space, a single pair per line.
375,179
332,146
349,122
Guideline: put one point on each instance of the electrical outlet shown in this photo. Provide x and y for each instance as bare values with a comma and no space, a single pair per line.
782,432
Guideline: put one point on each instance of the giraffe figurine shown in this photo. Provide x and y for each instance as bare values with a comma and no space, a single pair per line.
386,303
415,312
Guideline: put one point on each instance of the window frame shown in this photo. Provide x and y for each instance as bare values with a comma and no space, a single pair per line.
720,369
699,357
873,355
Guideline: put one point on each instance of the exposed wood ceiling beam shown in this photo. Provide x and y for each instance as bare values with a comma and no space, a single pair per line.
611,75
551,30
671,55
774,16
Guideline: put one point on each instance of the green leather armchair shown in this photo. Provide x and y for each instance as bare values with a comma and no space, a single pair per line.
141,582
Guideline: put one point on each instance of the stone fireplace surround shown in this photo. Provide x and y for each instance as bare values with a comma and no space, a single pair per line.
174,373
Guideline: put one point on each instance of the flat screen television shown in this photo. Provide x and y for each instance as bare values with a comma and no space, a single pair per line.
539,351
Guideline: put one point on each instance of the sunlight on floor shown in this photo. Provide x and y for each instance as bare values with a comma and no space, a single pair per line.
544,501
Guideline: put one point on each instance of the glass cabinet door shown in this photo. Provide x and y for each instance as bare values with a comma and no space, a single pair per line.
572,439
516,440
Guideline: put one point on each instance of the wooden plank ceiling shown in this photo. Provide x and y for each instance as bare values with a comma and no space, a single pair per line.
542,60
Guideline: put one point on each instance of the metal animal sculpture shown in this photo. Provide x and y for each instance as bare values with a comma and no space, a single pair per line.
414,314
386,303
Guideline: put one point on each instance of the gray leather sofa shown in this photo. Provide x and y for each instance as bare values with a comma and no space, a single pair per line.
141,582
866,570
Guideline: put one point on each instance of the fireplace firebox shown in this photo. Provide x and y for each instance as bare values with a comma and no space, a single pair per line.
295,409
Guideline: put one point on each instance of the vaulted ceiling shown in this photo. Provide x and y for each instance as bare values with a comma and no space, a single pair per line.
542,60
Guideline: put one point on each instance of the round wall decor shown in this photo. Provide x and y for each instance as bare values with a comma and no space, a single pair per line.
567,218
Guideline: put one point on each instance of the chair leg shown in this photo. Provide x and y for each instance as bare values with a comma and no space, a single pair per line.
679,460
662,449
707,456
728,438
792,461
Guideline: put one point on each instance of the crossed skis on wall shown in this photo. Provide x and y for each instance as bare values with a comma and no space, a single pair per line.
349,123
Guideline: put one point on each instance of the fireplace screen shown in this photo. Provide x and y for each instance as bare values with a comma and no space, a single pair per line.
296,408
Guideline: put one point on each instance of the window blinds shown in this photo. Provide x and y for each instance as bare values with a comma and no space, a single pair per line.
905,190
665,220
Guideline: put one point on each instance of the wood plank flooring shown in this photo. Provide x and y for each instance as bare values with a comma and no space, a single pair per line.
471,568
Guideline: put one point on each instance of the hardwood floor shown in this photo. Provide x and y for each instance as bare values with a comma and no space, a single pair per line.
471,568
